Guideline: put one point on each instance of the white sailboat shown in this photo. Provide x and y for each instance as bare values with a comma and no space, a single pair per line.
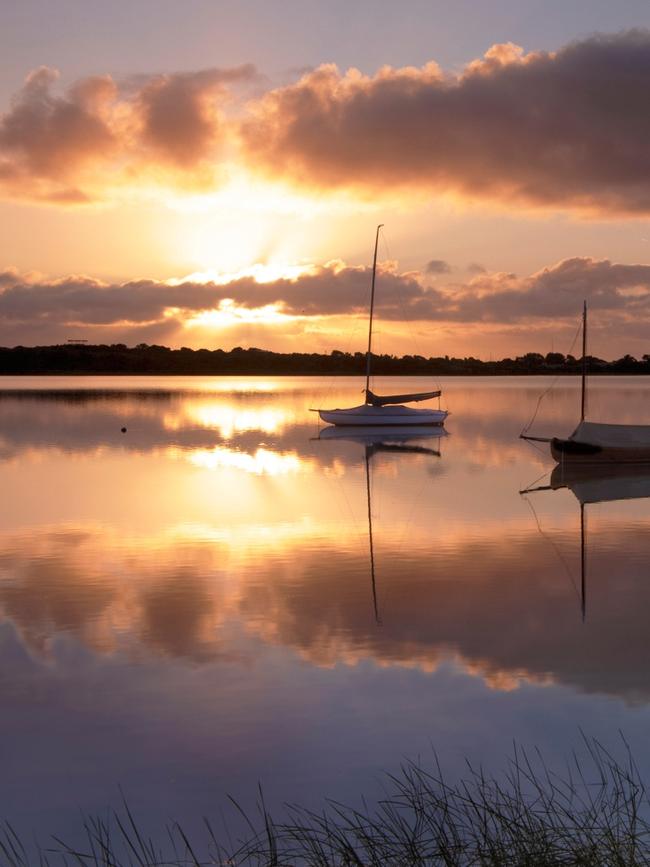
594,442
383,410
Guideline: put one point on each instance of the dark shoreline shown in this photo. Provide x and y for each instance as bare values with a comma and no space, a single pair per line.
144,360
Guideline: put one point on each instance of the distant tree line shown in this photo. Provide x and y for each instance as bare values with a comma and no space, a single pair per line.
144,359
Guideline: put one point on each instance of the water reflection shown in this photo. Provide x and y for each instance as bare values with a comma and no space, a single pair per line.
77,420
465,575
497,626
602,484
376,440
226,420
263,461
232,587
592,484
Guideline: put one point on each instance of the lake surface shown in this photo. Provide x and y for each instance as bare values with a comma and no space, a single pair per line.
194,606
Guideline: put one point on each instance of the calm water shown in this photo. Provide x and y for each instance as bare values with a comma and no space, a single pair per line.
189,608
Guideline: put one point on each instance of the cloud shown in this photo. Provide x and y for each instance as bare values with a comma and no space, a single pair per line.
437,266
36,310
179,118
567,129
556,292
75,147
325,290
476,268
47,142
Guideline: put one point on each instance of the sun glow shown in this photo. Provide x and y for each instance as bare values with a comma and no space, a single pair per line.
252,195
260,273
229,314
225,232
253,220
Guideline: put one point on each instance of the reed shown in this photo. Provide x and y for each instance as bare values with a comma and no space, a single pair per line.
592,812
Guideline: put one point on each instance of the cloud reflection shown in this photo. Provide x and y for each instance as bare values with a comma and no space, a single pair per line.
269,547
468,600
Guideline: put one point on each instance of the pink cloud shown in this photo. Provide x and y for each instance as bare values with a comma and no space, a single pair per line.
567,129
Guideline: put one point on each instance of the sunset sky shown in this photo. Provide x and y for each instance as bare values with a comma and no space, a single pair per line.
211,173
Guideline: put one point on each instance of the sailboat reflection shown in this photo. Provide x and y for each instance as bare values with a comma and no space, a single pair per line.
383,439
595,484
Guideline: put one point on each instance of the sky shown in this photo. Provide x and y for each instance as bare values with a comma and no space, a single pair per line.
211,174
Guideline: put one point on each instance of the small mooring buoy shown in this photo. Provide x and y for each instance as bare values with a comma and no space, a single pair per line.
123,430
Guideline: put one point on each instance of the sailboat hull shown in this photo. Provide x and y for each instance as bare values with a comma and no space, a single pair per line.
564,450
382,416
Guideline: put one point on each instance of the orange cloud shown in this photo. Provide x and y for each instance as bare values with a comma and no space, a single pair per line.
74,147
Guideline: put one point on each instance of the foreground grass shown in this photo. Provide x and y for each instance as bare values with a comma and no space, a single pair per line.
594,812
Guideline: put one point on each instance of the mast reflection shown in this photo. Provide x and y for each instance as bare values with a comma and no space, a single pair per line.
374,441
591,484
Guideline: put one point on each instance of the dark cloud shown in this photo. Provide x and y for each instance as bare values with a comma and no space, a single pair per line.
437,266
567,129
476,268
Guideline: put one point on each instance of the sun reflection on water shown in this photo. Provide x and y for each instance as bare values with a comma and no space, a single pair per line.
262,462
227,418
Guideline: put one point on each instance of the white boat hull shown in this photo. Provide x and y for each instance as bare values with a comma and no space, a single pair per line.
383,416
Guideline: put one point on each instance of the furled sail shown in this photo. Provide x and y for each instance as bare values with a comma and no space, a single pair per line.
378,400
612,435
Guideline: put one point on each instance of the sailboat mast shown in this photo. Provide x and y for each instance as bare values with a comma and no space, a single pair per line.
584,363
372,307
